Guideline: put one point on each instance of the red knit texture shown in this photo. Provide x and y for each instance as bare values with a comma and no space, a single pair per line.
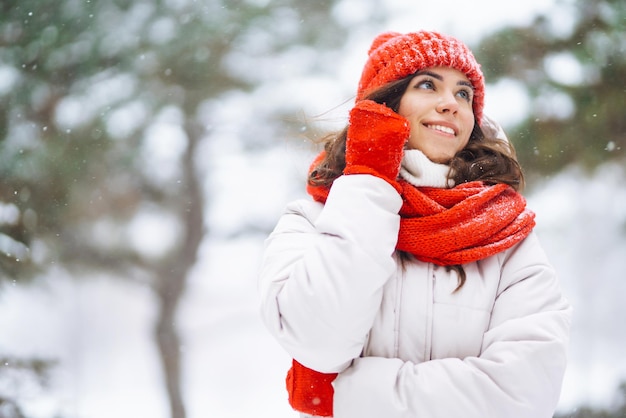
464,224
467,223
310,391
393,56
375,141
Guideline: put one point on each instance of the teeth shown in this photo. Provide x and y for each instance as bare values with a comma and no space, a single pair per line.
442,129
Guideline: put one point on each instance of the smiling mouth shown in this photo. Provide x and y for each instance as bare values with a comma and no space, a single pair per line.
444,129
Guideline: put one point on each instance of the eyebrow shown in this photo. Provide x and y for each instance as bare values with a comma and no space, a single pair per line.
440,78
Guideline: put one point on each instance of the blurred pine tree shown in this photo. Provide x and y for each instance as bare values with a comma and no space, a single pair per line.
574,67
83,84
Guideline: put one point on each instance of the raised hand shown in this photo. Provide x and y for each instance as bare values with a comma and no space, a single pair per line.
375,141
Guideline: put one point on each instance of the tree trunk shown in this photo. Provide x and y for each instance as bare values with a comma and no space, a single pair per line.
169,344
171,279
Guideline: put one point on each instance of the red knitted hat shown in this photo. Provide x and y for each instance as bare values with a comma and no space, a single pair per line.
393,56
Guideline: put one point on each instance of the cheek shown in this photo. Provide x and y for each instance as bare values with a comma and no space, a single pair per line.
414,138
404,109
469,122
409,105
465,140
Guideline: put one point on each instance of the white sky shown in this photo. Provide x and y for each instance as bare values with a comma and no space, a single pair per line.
466,19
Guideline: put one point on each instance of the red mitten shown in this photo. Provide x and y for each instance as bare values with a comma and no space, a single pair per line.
310,392
375,142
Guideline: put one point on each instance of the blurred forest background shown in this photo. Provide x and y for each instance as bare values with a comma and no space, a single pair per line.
147,147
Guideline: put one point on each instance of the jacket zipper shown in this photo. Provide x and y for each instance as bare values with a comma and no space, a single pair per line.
429,320
400,277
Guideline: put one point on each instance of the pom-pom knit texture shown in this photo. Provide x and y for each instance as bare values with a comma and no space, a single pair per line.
393,56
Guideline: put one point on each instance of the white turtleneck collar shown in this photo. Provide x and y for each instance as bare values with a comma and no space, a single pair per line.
419,171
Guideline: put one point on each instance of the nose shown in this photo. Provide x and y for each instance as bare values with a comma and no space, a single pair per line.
447,103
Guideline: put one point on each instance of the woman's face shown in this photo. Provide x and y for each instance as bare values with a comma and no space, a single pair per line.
438,105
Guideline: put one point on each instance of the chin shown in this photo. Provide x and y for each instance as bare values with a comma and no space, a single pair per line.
440,159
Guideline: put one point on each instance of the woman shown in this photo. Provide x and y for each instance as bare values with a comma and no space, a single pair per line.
412,285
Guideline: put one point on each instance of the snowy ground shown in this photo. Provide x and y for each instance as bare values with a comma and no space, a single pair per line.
100,329
582,224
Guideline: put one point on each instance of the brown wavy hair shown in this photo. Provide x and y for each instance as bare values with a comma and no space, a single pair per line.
485,158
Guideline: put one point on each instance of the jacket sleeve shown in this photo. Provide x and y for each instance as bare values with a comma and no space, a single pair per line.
517,375
322,273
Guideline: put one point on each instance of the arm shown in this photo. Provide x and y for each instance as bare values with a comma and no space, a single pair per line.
322,274
518,373
325,286
323,278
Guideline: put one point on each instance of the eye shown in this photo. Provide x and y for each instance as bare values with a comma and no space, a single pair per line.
426,84
465,94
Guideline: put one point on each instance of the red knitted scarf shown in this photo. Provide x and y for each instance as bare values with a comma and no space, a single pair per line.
469,222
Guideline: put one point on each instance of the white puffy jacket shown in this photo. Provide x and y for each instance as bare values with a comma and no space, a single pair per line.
338,299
